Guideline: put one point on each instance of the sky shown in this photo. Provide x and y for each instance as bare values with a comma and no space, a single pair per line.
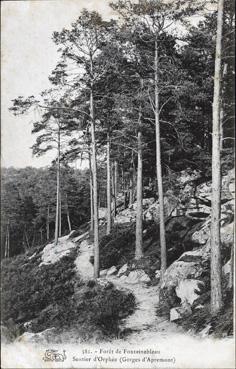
28,55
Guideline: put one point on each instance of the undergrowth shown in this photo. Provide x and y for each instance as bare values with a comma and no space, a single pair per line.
54,296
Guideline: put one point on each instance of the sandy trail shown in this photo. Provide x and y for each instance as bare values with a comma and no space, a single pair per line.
143,323
83,266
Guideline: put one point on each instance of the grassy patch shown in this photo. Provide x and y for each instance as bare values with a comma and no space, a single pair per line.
54,296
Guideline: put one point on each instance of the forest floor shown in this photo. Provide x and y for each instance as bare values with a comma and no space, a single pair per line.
141,332
143,324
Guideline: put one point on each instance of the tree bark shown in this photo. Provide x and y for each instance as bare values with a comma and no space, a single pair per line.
68,214
7,243
216,288
58,188
115,186
59,215
41,236
131,189
108,185
139,214
158,167
48,223
26,239
91,194
95,184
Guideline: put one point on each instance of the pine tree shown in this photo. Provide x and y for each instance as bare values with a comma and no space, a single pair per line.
216,288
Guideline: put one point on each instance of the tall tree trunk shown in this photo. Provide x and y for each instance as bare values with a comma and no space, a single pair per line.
216,289
7,242
68,214
134,174
139,213
231,275
131,189
91,193
33,240
48,223
26,239
59,232
159,169
41,236
115,186
122,179
95,184
58,187
108,184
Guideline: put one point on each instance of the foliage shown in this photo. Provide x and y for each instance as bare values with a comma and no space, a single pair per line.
53,296
26,291
118,247
27,196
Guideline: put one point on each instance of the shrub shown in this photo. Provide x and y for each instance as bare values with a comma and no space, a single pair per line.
28,289
53,296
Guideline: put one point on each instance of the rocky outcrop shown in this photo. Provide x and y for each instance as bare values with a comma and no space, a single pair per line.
150,209
188,278
44,337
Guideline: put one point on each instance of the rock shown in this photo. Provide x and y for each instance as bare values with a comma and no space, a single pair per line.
122,270
188,176
187,290
179,313
42,337
153,211
112,270
145,278
227,234
137,276
174,314
103,272
157,274
199,307
205,332
149,215
148,202
125,216
32,256
227,268
104,283
204,191
6,335
123,278
28,325
102,213
202,235
180,270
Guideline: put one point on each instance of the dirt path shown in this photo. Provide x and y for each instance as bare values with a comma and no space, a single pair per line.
143,323
83,266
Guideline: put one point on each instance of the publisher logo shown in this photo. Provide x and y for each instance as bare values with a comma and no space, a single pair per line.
54,355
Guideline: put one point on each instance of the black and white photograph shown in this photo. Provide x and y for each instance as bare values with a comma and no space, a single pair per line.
118,184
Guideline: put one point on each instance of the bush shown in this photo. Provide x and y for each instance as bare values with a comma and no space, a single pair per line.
105,307
28,289
117,248
53,296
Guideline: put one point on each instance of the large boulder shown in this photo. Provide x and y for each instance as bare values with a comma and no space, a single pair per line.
136,276
153,211
44,337
182,279
122,270
188,290
111,271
